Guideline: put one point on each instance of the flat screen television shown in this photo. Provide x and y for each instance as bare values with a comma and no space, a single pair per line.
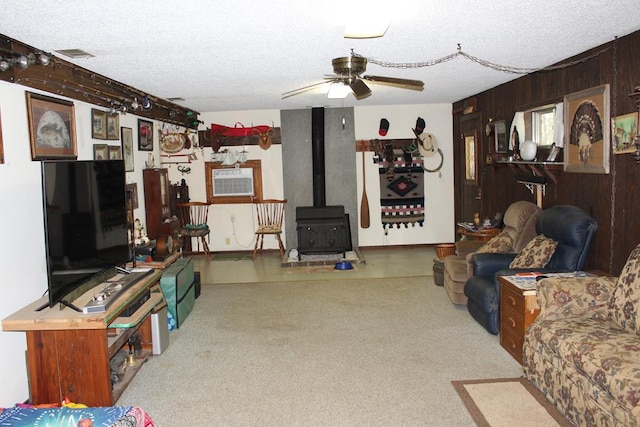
85,224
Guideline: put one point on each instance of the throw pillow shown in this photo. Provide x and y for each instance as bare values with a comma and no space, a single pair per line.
625,299
500,244
536,254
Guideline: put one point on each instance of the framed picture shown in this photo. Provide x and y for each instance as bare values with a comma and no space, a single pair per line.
553,153
624,130
113,126
52,127
114,152
126,136
587,130
500,133
100,152
145,135
470,158
133,190
98,124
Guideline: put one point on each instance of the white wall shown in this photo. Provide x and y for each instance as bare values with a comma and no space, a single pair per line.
22,256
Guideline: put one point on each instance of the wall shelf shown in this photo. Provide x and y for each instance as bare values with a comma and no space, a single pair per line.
535,175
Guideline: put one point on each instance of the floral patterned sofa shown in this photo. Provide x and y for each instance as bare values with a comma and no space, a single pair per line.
583,350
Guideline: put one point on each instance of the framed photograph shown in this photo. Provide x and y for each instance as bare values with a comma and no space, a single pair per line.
587,130
553,153
145,135
98,124
624,130
100,152
500,133
133,190
52,127
126,136
114,152
113,126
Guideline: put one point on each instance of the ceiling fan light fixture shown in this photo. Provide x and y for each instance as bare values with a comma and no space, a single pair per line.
338,90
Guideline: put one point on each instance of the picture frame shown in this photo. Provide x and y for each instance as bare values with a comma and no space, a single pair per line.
553,153
113,127
133,190
100,152
98,124
52,127
126,137
624,129
114,152
587,131
145,135
500,134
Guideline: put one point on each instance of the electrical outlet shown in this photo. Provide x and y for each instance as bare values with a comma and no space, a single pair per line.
227,240
233,217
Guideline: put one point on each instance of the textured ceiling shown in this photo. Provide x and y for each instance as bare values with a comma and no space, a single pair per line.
243,54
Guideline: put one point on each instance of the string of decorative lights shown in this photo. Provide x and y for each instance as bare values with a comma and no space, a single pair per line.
483,62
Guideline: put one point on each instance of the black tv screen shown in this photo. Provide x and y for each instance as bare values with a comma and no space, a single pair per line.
85,222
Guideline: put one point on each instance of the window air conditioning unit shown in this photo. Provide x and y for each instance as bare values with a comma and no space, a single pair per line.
233,182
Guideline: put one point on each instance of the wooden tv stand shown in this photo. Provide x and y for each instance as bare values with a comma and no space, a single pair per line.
68,352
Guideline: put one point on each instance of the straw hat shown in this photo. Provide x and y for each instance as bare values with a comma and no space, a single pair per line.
427,144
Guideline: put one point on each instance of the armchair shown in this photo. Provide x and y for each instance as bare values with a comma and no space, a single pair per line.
568,225
519,222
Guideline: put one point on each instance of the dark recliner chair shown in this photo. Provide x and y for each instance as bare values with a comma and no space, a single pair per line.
570,226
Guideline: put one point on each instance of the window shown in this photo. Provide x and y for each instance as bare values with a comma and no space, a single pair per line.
542,126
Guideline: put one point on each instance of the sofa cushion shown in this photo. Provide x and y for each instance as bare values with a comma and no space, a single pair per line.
625,299
600,350
501,243
536,254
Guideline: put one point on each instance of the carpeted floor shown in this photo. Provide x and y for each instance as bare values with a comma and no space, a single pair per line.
506,402
323,352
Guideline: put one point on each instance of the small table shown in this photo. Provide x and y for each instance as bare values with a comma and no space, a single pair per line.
518,309
482,234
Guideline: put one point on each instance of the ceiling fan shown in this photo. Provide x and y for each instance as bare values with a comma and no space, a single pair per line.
348,71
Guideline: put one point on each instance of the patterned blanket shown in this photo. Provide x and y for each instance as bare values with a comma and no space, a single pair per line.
401,191
112,416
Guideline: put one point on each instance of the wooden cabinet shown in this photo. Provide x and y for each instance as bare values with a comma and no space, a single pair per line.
68,353
518,309
156,200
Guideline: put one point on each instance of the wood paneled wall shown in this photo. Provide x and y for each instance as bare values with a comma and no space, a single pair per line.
612,199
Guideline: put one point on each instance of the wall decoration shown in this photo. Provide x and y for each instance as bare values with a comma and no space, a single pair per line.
113,126
98,124
52,128
586,129
126,135
100,152
114,152
624,129
145,135
1,144
401,189
133,190
500,133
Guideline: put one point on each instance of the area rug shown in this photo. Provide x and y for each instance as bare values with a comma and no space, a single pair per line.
508,402
401,191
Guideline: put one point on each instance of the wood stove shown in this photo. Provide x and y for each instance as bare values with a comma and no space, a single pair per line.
321,229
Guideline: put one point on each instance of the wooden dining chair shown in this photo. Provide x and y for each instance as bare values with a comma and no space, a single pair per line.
193,219
270,215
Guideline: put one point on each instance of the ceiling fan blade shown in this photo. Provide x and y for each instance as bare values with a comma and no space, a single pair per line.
360,89
303,89
393,81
